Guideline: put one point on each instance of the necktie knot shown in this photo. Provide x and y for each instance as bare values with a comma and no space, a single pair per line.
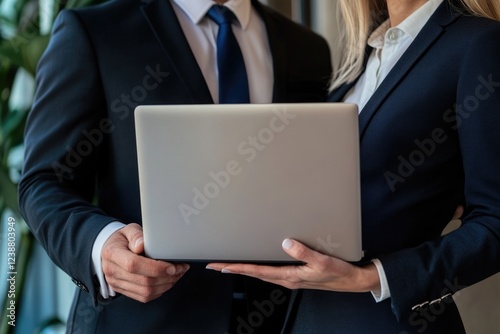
221,15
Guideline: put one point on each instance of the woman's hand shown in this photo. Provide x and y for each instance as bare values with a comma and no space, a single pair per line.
319,272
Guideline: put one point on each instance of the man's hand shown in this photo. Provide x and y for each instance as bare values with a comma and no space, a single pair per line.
133,275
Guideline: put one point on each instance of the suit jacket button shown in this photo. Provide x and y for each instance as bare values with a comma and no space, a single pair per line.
80,284
419,306
449,295
435,301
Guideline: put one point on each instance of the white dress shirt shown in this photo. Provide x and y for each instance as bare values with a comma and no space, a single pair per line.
388,44
201,34
250,32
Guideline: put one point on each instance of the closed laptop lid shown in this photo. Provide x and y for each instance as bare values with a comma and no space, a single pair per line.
231,182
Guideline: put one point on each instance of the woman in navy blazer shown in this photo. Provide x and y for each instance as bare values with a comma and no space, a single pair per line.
429,141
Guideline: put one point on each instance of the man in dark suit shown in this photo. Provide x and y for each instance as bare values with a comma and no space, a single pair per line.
79,191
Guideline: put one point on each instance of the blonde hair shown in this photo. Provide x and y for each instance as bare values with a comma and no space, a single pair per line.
358,18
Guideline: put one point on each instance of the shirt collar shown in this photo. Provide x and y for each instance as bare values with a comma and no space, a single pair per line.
197,10
411,26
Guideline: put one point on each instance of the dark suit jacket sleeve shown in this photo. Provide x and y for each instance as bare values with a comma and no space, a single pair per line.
440,267
57,185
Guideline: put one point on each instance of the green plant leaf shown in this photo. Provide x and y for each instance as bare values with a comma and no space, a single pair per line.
20,9
2,209
23,51
9,191
13,128
6,81
10,50
76,3
82,3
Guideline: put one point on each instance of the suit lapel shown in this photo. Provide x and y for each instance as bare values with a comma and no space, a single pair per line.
338,94
278,51
163,21
427,36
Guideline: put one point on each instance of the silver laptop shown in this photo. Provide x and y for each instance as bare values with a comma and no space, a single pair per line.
231,182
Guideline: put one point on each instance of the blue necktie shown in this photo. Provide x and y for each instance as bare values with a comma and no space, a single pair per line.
233,80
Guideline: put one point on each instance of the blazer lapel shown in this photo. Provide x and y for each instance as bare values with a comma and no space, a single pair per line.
163,21
338,94
427,36
278,51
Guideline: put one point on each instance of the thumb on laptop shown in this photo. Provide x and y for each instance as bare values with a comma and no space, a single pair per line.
134,235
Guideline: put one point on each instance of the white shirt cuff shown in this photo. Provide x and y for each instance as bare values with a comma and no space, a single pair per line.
384,292
99,242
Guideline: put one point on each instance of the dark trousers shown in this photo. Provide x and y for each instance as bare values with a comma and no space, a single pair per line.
258,307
